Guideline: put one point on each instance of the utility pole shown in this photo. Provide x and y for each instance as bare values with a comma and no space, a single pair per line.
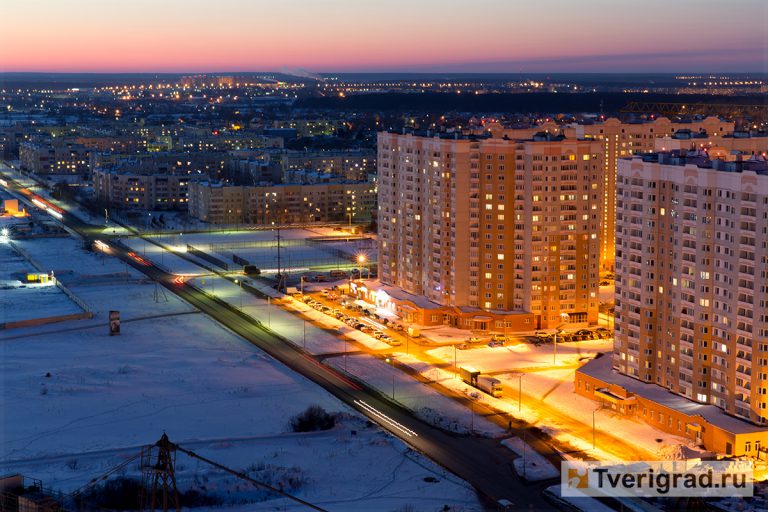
160,477
279,274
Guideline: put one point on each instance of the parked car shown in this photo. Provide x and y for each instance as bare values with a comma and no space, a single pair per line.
499,337
474,339
493,344
394,342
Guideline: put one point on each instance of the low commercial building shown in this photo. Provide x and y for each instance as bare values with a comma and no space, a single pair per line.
705,425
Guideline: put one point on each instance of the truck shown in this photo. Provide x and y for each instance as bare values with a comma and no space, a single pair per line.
485,383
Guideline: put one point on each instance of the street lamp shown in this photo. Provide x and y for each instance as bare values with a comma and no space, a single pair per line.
360,263
593,426
564,317
520,391
455,362
302,285
240,285
391,362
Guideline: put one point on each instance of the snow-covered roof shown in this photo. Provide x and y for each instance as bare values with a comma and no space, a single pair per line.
601,369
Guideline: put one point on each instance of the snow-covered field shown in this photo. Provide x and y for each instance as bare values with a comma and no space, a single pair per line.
77,401
20,301
259,247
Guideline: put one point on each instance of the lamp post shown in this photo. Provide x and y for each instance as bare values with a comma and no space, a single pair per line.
525,445
302,284
593,426
520,391
407,339
360,262
240,285
564,317
455,363
391,362
472,417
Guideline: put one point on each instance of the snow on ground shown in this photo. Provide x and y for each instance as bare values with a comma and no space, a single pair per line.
79,401
259,247
543,383
425,401
529,464
445,334
585,503
27,301
524,355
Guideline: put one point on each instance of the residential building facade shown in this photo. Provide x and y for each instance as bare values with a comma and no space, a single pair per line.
283,204
490,224
691,303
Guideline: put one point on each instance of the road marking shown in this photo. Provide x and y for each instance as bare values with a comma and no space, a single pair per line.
372,410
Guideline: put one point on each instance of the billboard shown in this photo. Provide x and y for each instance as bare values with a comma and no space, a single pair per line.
114,323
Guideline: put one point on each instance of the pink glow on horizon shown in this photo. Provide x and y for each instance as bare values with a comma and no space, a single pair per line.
339,35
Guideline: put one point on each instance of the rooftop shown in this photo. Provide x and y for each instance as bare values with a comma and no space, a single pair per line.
601,369
701,159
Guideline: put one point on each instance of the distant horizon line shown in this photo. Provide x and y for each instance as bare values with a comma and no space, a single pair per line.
383,72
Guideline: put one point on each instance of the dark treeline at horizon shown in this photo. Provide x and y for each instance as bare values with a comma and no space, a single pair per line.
608,102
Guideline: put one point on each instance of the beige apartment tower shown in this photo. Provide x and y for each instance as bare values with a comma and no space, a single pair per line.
493,224
692,278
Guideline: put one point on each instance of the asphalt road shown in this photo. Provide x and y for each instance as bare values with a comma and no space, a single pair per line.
481,462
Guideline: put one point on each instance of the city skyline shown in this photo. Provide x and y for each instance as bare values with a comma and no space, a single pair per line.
490,36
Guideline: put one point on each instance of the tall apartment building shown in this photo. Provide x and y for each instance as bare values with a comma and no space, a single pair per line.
618,140
483,224
691,299
282,204
692,312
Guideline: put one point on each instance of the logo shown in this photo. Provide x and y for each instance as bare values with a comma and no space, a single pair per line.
646,479
578,478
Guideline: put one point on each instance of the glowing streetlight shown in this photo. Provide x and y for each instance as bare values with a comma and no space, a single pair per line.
361,259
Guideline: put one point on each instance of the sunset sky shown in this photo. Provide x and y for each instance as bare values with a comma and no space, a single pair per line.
374,35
